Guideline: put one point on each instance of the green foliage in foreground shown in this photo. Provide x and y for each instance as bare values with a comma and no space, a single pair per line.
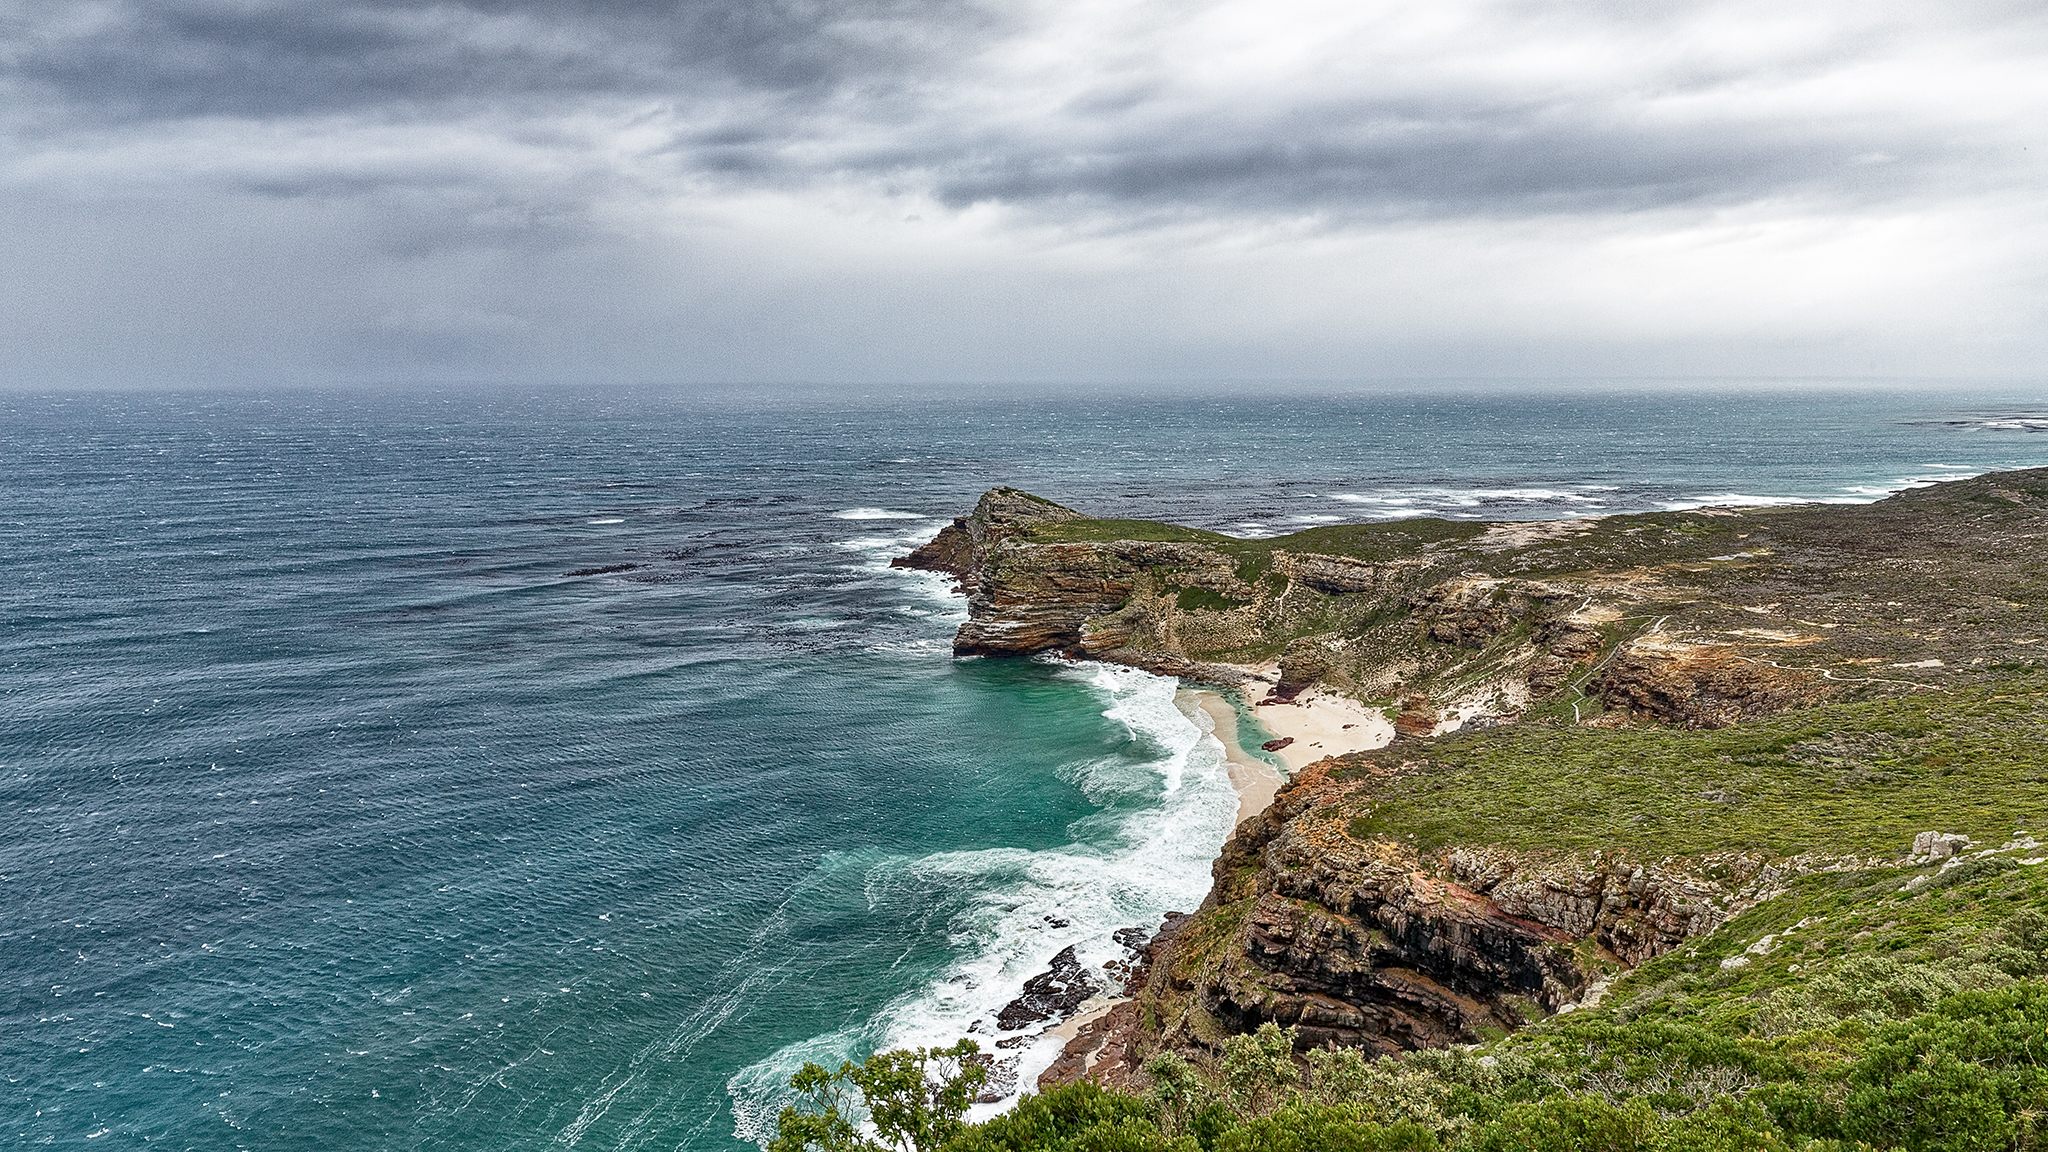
914,1100
1885,1009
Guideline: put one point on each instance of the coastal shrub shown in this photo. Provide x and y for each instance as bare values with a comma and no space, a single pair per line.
1080,1117
1875,989
1205,600
1728,1124
915,1099
1571,1124
1323,1128
1849,778
1970,1075
1258,1071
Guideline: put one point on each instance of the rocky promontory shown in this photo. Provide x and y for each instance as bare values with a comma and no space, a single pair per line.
1621,737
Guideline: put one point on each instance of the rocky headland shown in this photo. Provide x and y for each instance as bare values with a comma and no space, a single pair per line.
1623,744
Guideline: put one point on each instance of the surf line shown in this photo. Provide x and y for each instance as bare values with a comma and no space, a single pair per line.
1311,727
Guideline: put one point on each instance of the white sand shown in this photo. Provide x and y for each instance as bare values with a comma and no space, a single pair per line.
1255,780
1322,724
1090,1012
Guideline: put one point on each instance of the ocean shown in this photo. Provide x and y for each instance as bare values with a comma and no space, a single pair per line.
505,769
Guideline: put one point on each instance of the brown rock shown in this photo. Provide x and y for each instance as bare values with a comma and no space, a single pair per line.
1417,718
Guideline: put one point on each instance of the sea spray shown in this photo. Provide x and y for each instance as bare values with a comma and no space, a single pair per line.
1165,807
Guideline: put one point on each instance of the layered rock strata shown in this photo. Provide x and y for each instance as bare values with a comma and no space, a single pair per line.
1352,933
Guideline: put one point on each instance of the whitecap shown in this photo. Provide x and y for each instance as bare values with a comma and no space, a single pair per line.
1744,500
608,520
877,514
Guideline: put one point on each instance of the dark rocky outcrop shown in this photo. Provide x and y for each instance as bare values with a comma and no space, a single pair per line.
1001,514
1366,942
1054,993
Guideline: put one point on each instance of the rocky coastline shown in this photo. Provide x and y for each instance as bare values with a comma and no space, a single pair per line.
1335,915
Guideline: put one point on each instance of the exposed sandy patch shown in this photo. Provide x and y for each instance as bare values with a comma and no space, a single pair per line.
1778,636
1090,1012
1522,534
1321,724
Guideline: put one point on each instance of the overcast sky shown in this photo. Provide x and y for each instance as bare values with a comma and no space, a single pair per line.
756,191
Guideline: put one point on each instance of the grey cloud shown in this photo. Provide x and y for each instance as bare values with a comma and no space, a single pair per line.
789,93
722,185
1435,168
149,60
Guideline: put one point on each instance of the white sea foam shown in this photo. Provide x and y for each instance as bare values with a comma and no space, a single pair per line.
608,520
1127,866
941,600
877,551
1745,500
1422,500
877,514
892,544
1853,494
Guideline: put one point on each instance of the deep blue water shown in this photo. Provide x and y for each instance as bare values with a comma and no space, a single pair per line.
333,811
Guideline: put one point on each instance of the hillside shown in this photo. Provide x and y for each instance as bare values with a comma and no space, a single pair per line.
1721,825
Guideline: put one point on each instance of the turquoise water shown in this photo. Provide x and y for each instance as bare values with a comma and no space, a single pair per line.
336,811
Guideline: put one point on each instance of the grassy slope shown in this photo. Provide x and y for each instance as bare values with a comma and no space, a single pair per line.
1848,779
1892,1007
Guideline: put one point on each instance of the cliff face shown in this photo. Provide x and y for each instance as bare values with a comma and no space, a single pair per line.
1002,514
1701,618
1390,900
1362,940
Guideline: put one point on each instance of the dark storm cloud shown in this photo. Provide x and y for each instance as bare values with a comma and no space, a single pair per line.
1454,166
785,94
1000,189
185,58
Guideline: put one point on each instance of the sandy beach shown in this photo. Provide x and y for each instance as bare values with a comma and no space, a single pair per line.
1256,780
1317,723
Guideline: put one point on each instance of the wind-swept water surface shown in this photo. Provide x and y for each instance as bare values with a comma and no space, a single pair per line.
496,771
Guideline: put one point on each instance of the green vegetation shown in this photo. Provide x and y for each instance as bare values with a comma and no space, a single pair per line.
1848,677
1384,541
1628,539
1111,531
1192,599
914,1100
1866,1012
1845,779
1878,1007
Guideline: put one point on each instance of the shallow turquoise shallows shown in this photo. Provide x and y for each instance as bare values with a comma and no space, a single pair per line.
355,794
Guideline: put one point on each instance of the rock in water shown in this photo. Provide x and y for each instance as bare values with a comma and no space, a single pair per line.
1054,993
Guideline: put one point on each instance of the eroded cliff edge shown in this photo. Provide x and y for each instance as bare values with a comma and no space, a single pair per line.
1672,716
